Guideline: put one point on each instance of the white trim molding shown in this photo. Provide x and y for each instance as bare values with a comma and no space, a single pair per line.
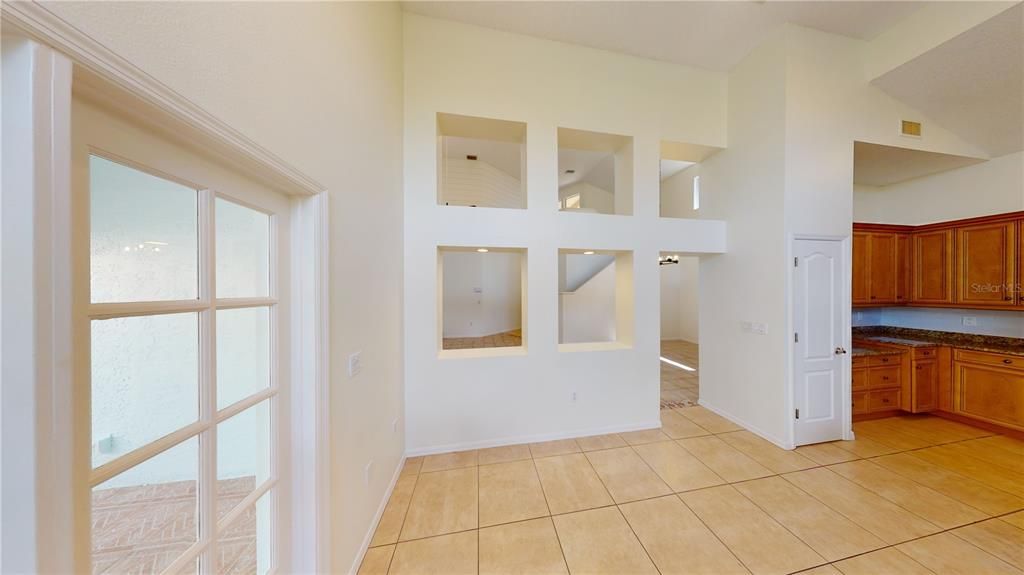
36,336
310,453
37,22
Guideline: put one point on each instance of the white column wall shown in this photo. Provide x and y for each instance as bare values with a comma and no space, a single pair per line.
456,403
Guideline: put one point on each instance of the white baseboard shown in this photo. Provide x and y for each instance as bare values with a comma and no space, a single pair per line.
463,446
354,568
751,428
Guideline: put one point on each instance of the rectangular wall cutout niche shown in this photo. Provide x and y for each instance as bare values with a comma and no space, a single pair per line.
481,162
595,299
481,301
681,185
595,172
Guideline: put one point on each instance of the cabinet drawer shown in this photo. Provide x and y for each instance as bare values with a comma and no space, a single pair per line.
925,352
884,400
860,378
884,360
859,361
860,402
884,377
986,358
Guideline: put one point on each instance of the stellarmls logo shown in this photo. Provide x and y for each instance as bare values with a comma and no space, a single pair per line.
996,288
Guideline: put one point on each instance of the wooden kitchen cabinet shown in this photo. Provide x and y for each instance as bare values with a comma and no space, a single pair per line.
924,386
989,387
904,267
1019,288
861,288
874,268
932,269
986,264
876,383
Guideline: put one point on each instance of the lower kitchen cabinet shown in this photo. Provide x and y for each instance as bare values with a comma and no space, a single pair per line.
989,387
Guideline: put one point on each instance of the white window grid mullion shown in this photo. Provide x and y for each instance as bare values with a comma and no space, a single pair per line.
207,511
275,402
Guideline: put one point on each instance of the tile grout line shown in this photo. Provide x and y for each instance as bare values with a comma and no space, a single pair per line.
550,516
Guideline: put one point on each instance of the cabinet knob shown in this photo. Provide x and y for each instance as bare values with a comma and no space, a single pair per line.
1007,361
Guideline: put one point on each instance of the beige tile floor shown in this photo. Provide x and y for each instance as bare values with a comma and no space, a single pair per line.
910,495
679,387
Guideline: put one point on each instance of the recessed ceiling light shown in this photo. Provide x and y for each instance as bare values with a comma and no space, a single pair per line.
482,250
588,253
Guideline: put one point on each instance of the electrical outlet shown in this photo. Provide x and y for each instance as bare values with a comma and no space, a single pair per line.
394,426
746,326
573,397
969,320
367,471
355,364
759,328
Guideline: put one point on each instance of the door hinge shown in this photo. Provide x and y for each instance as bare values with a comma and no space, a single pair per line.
798,413
796,262
796,337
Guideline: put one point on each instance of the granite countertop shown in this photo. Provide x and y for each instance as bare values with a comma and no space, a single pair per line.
927,338
866,351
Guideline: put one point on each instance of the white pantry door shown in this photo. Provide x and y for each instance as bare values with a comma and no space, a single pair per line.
818,341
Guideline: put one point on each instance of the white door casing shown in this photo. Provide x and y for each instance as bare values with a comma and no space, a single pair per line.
819,395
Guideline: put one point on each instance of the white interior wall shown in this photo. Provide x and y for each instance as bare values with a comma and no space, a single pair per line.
336,113
591,197
588,314
680,300
744,184
495,308
677,194
477,183
992,187
474,71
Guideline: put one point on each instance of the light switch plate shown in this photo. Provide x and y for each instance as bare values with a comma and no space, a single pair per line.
355,364
969,320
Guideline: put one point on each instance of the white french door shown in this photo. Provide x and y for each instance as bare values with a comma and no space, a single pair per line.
180,364
818,352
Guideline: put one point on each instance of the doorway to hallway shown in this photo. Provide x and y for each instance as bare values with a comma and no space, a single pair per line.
680,376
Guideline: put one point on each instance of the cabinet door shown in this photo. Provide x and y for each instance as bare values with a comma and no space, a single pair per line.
882,262
925,386
861,272
986,264
933,267
904,257
989,393
1020,264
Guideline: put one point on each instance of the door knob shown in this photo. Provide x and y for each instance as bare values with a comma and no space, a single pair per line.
840,351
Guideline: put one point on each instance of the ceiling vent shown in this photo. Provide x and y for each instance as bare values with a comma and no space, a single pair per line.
908,128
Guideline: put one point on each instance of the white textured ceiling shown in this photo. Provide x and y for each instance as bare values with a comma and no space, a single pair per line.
971,84
713,35
878,165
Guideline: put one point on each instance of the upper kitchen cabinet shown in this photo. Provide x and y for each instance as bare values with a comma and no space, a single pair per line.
974,263
879,269
932,271
986,264
1019,287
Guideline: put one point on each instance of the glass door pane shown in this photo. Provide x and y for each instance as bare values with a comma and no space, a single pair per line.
243,455
243,251
145,518
243,353
143,235
145,380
